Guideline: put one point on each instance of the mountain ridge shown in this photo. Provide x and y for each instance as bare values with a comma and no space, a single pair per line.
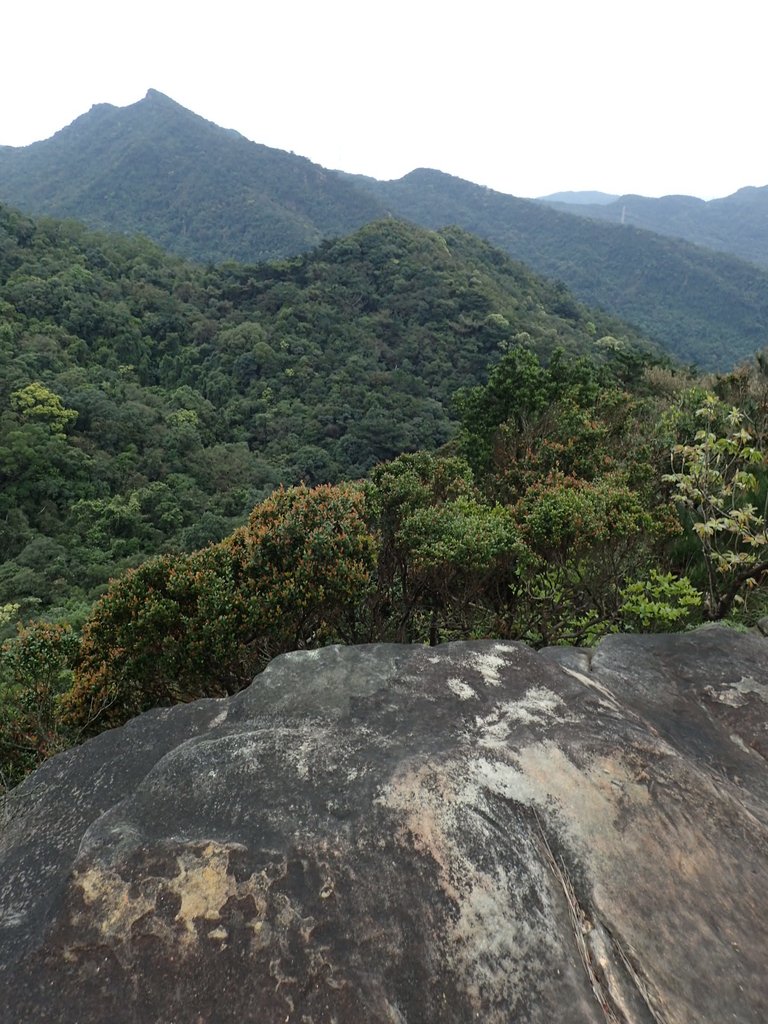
578,197
210,194
736,223
705,307
152,168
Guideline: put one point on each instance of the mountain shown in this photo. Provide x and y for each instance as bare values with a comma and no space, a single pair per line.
202,191
578,198
705,307
737,224
209,194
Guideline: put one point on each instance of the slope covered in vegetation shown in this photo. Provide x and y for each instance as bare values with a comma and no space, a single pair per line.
147,404
737,224
202,191
705,307
209,194
553,518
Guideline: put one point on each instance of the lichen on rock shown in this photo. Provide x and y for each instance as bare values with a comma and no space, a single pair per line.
474,832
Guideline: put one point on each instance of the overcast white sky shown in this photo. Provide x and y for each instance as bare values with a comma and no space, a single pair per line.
526,96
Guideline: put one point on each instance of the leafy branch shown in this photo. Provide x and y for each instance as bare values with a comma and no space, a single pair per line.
715,477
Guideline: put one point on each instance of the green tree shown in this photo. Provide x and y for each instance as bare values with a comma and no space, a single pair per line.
36,403
445,553
311,557
659,603
35,672
715,477
200,625
175,629
531,419
589,539
518,390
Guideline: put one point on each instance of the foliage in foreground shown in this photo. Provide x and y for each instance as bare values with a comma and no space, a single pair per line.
147,404
513,532
715,476
200,625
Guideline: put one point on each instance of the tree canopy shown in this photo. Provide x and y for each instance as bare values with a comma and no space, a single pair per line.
147,404
403,436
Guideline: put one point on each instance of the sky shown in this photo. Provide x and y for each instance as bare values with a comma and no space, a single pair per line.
528,97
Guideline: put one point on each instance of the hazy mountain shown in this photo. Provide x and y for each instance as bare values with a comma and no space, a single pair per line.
199,190
210,194
736,224
705,307
578,198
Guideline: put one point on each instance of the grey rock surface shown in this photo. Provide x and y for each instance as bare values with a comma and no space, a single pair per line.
475,832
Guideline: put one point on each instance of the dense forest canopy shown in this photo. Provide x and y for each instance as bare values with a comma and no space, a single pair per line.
706,308
403,435
147,403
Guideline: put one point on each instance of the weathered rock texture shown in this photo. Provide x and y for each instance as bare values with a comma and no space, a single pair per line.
475,832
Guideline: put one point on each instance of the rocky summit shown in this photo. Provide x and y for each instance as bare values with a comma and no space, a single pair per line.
473,832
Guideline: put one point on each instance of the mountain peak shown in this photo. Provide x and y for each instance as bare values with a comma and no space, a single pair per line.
155,96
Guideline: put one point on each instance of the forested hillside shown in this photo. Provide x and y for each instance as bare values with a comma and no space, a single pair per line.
737,224
209,194
520,467
705,307
147,403
199,190
569,506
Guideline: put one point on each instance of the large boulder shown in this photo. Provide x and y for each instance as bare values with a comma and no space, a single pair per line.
474,832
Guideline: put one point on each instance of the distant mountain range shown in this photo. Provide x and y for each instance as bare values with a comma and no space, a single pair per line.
578,198
208,193
737,224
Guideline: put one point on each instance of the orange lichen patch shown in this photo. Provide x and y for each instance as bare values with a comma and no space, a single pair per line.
200,889
107,901
204,885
